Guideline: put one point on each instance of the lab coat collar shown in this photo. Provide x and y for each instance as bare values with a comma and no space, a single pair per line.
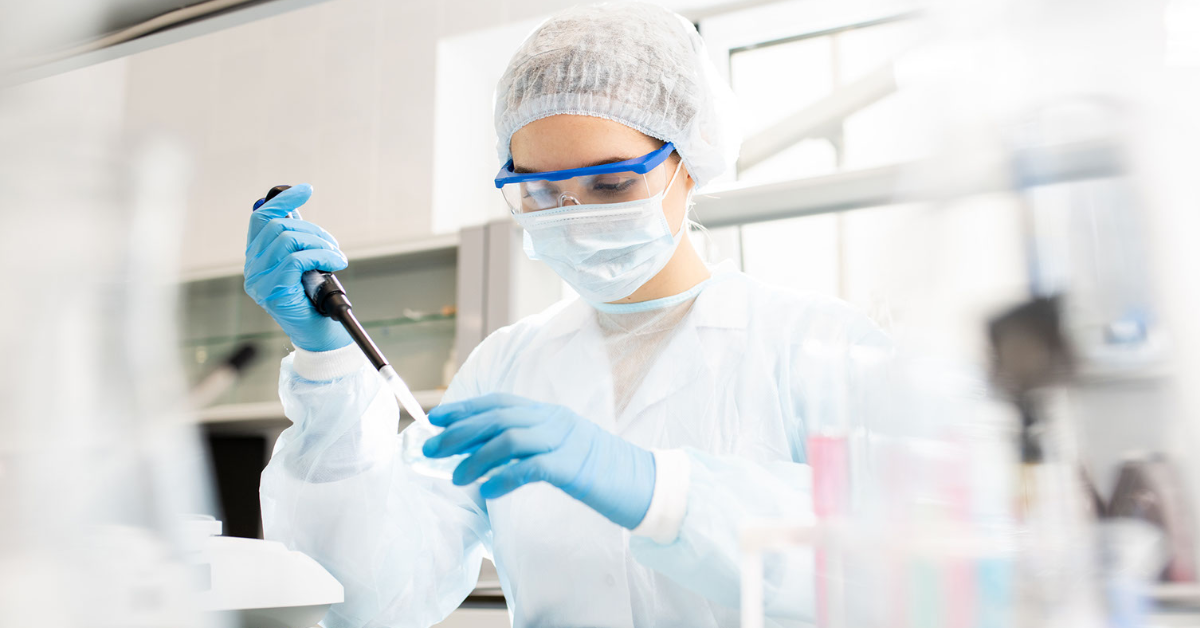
694,357
725,303
571,319
667,377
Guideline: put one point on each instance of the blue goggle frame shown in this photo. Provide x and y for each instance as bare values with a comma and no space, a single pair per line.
640,165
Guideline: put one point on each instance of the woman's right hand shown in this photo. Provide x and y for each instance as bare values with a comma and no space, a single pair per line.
279,250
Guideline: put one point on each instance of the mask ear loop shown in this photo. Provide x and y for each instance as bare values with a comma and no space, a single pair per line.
689,221
694,225
685,224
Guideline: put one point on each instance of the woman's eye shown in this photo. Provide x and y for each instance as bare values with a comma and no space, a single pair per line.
614,185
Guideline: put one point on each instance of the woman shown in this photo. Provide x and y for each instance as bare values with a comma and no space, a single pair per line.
629,431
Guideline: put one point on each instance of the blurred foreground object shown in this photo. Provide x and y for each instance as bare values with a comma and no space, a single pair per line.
97,462
1029,352
252,583
1047,498
42,39
1148,489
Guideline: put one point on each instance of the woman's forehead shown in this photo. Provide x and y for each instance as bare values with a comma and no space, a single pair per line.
573,141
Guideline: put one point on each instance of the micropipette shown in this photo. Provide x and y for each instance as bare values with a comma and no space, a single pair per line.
329,297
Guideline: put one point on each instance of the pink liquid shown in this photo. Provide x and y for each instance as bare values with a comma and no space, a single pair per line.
830,461
829,458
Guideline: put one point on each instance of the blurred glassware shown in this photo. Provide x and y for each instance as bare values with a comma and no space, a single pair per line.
1148,490
97,464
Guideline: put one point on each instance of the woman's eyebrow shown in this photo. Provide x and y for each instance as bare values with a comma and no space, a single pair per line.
612,160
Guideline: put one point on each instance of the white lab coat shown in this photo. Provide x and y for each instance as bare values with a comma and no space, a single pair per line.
729,388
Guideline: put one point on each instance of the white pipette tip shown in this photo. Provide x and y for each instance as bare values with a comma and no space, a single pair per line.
407,400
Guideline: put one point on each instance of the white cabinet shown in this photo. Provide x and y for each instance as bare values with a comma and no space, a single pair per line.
339,95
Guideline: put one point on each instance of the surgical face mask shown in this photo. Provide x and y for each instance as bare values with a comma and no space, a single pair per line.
604,251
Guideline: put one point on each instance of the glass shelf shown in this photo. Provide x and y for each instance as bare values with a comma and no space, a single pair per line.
278,333
418,348
405,301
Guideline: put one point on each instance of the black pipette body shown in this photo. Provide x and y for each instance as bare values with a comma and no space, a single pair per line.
329,298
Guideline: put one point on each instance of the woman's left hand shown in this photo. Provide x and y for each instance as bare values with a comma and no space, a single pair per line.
549,443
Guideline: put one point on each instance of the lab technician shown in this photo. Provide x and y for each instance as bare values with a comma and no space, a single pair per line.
634,428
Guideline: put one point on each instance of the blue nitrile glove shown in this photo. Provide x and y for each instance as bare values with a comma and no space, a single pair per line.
550,443
278,251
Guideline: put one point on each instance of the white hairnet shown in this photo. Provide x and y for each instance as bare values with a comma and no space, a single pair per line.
631,62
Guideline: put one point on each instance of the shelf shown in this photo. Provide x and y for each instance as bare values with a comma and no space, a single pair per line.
262,411
278,334
237,412
409,248
914,181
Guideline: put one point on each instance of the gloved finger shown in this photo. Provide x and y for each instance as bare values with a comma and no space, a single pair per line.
284,278
524,472
472,432
280,206
276,226
448,413
519,442
287,243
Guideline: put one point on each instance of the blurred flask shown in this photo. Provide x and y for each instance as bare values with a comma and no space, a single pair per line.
97,464
839,396
829,429
845,395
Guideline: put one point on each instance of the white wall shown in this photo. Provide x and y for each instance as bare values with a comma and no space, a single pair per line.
341,95
337,95
464,155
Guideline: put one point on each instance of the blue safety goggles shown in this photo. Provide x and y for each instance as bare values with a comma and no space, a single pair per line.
619,182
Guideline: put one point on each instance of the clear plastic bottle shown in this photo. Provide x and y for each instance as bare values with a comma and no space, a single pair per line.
412,439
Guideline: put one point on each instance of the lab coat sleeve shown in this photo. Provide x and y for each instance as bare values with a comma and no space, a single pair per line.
668,503
406,548
726,491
